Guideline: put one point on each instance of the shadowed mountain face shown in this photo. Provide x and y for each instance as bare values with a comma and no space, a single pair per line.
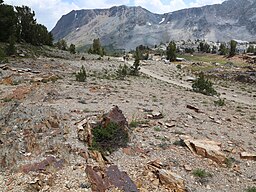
127,27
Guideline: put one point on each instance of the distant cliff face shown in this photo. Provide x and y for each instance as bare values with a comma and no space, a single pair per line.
127,27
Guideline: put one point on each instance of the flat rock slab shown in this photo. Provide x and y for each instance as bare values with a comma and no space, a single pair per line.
206,148
113,177
248,156
120,179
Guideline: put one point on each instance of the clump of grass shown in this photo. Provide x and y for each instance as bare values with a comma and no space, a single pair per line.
109,138
122,71
201,175
81,75
134,123
220,102
157,128
251,189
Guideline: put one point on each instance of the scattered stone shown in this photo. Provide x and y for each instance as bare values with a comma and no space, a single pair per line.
42,166
248,156
157,163
173,181
187,167
97,183
194,108
112,176
206,148
169,125
155,115
120,179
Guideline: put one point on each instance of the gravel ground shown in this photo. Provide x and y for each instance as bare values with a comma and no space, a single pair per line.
39,110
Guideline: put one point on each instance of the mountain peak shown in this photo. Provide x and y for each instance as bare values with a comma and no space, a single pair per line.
127,27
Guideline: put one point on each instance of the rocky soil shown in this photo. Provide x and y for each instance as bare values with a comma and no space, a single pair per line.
42,105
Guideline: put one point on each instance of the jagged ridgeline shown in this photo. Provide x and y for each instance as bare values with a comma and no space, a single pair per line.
124,27
17,24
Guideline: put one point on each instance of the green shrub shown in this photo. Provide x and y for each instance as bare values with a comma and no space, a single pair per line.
178,66
201,173
81,75
204,86
134,123
109,138
134,70
220,102
122,71
251,189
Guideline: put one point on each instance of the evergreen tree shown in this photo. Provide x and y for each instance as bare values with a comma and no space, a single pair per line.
251,49
171,51
8,22
26,23
136,65
214,49
72,49
22,26
223,49
232,51
61,45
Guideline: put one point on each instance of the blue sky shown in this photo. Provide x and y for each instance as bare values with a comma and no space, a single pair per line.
48,12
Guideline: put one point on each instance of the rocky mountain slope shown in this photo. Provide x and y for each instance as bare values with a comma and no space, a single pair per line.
43,128
127,27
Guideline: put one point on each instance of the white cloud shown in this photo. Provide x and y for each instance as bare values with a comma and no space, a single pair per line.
48,12
199,3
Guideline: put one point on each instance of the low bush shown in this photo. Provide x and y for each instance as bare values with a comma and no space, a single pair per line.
251,189
109,138
220,102
204,86
122,71
81,75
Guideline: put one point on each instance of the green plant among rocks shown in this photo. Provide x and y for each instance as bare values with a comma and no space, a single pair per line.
81,75
109,138
251,189
220,102
204,86
122,71
201,175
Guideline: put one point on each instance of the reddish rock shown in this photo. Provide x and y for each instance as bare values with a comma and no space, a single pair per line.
116,116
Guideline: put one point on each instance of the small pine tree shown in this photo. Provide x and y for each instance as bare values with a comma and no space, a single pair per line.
223,49
72,49
171,51
81,75
251,49
204,86
122,71
136,65
232,51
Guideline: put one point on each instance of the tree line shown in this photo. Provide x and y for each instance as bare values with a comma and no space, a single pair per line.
17,24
